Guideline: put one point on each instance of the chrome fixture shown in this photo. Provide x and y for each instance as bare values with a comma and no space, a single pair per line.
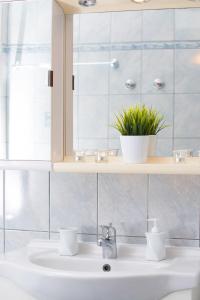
158,84
108,241
106,268
114,63
87,3
130,84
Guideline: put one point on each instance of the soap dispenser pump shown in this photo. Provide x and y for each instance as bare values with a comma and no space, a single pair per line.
155,250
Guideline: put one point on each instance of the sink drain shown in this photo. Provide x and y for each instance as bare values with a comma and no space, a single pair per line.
106,268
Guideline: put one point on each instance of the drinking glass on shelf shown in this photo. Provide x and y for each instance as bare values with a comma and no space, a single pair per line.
101,156
181,155
198,153
113,152
79,156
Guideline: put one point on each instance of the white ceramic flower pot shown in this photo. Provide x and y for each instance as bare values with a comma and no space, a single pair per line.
152,145
135,148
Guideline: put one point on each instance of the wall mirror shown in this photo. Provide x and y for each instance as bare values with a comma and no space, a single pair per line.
144,56
25,98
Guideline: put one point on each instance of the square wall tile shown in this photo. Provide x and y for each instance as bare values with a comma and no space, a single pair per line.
27,200
131,240
4,58
16,239
164,147
183,243
164,104
93,117
187,70
187,143
93,79
129,68
115,144
123,201
83,238
95,28
1,199
158,25
158,64
1,241
187,24
174,200
32,16
186,115
126,26
116,104
3,147
76,28
93,144
74,202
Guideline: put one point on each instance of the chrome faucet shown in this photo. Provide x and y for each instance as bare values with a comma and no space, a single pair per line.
108,241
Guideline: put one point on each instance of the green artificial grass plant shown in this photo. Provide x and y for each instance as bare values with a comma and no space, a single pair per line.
139,120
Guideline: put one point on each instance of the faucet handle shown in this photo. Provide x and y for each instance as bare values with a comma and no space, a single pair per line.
108,231
112,230
105,231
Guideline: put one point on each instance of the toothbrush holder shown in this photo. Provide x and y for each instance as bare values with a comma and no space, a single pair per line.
68,241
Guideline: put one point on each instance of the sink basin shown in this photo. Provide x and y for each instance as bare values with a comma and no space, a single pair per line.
46,275
86,266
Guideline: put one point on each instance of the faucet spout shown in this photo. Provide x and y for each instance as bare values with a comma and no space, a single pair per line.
108,242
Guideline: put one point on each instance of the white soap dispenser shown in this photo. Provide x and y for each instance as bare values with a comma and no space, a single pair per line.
155,250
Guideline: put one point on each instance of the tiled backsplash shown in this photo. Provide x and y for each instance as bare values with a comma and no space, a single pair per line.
150,44
36,204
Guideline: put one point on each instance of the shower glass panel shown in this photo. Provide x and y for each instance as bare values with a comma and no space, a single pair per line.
25,58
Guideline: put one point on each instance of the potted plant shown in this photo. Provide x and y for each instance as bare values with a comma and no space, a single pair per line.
138,126
157,124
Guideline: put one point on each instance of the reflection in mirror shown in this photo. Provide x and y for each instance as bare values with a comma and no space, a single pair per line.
25,57
158,65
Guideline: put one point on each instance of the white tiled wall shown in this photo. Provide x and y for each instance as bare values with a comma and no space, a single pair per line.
37,204
148,45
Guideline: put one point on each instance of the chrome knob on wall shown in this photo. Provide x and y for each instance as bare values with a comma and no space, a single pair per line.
130,84
114,63
158,84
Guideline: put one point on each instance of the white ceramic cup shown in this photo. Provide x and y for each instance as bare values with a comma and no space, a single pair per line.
68,241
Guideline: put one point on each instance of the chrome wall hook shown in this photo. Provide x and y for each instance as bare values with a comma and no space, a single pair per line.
158,84
130,84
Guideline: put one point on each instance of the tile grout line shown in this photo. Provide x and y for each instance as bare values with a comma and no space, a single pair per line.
174,81
109,83
78,92
146,45
26,230
147,199
142,58
97,209
49,198
199,228
91,234
142,101
4,215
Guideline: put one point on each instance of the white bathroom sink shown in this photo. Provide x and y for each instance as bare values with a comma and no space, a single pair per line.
46,275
